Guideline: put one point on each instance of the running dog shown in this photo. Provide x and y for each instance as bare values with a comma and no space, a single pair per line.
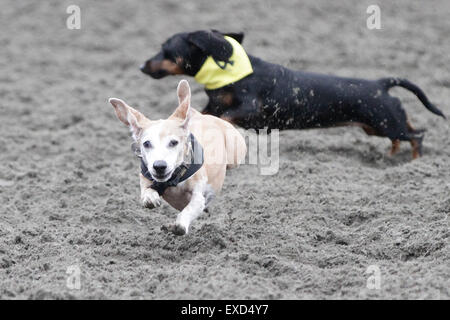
252,93
183,158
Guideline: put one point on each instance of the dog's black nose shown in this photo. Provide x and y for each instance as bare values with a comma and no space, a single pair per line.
160,166
144,67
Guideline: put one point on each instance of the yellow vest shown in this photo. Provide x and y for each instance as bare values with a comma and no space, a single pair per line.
214,77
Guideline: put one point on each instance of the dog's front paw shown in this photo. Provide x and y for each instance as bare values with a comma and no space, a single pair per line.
150,199
176,229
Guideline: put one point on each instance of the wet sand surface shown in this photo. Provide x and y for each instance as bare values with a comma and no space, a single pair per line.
69,189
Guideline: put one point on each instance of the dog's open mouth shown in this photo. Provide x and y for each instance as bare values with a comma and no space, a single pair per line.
163,177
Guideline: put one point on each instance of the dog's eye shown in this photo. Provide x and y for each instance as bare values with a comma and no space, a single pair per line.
173,143
147,144
167,55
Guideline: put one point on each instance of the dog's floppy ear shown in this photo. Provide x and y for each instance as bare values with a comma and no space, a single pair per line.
129,116
183,111
212,43
238,36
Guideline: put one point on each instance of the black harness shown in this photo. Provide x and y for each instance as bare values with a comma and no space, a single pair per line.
181,173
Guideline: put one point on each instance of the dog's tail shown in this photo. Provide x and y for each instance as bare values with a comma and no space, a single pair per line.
388,83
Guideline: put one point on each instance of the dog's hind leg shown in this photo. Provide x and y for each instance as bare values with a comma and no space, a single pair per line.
395,147
416,145
416,139
398,128
370,131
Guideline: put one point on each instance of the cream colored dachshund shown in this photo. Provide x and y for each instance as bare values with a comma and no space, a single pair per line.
183,158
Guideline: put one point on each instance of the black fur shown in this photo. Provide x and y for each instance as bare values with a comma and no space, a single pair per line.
280,98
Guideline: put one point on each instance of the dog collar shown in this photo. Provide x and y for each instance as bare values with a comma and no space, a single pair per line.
216,74
181,173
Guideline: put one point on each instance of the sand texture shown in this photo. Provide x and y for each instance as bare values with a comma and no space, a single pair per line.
69,190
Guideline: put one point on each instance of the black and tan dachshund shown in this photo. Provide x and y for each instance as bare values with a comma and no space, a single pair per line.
256,94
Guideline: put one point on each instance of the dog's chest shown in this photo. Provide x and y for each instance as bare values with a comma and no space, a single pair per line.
178,197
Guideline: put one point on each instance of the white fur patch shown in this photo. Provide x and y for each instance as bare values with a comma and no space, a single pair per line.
160,148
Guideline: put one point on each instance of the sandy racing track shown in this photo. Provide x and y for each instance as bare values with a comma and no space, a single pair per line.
69,191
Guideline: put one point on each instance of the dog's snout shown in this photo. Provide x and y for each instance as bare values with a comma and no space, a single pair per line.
154,67
144,67
160,166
